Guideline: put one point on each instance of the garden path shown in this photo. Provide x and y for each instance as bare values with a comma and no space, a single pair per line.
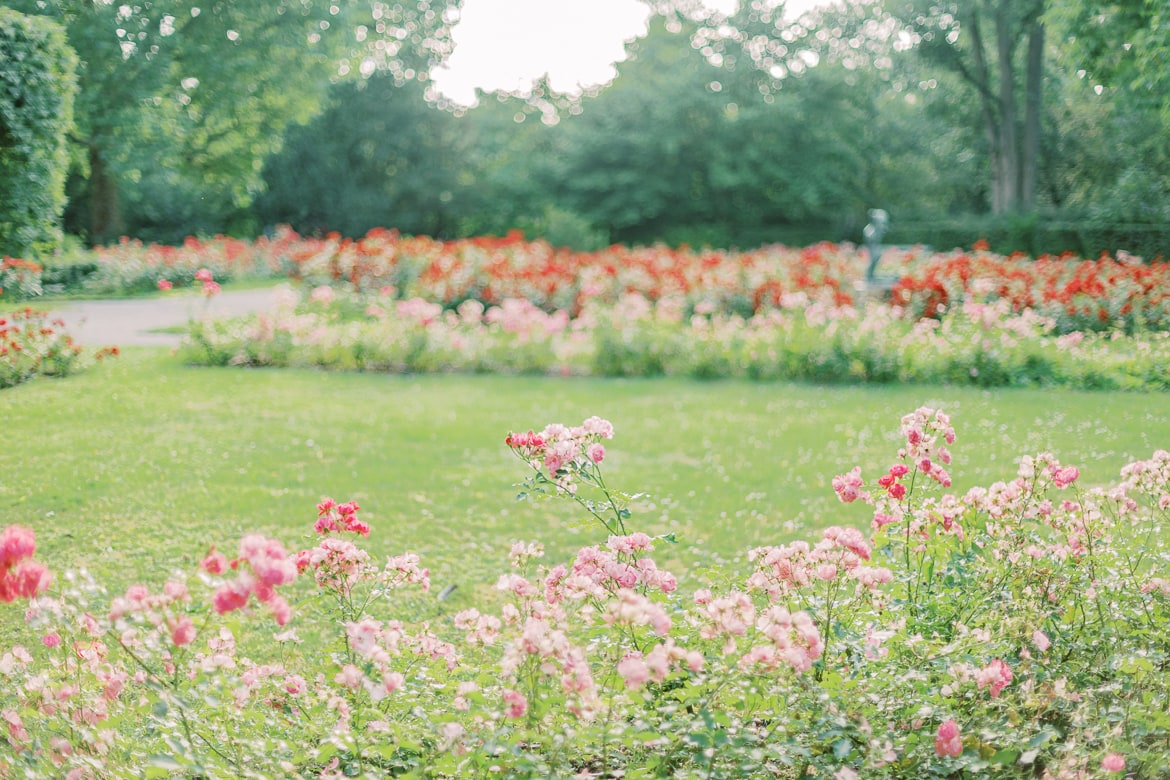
133,322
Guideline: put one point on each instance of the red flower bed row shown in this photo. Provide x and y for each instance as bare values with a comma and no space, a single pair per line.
1079,294
494,269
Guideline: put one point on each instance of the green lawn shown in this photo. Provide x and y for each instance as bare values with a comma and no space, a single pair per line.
137,465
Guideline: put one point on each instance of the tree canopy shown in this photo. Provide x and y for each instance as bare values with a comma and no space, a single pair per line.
730,129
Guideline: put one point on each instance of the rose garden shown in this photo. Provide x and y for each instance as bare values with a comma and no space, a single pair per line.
772,523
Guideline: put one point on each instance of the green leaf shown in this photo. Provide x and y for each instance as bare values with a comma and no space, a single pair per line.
1005,757
842,748
166,763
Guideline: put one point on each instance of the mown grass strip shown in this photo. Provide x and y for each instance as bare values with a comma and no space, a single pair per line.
137,466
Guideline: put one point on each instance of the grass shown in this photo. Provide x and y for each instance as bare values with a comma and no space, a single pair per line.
137,466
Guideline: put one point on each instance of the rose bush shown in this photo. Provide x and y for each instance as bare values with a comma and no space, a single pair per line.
1011,630
34,343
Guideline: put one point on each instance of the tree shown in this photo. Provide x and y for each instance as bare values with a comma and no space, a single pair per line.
206,89
1112,159
678,149
399,166
997,48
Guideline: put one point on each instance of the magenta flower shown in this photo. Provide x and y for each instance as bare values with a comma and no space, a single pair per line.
16,544
517,705
182,631
948,742
20,576
215,562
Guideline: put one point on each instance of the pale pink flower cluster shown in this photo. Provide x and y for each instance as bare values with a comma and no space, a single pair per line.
338,564
515,703
795,641
481,629
420,311
323,295
402,570
785,569
20,576
268,566
630,608
1156,585
598,572
378,645
1113,762
156,609
727,616
848,486
523,552
522,317
1045,464
941,515
67,696
561,452
545,649
636,669
1150,477
1006,503
1041,641
994,677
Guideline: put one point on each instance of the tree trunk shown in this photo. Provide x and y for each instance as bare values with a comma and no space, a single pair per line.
1006,186
105,217
1032,109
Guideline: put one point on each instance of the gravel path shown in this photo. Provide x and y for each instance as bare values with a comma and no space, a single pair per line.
129,323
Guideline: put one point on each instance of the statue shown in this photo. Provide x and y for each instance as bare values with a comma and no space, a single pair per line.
879,223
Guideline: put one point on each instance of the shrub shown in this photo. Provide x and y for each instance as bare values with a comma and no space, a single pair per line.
1014,631
984,344
37,86
32,344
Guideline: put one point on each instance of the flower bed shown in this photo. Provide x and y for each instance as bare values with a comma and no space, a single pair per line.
1016,630
1077,295
131,267
32,344
799,339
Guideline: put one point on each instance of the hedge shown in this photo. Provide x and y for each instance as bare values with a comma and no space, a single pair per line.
38,83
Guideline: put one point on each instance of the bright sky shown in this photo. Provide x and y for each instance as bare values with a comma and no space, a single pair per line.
506,44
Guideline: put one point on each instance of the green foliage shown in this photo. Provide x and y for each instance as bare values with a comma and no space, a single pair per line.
1036,234
985,345
205,91
378,156
37,87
